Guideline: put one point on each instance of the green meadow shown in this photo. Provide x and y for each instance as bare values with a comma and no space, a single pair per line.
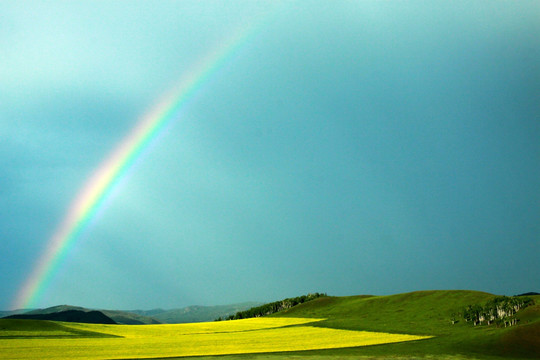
405,326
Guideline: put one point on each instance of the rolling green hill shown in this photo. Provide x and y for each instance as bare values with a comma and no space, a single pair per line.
426,313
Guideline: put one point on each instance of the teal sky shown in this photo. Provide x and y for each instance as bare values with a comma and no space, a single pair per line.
352,147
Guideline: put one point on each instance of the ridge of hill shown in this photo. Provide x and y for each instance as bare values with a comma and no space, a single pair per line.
426,313
4,313
150,313
79,316
119,317
56,309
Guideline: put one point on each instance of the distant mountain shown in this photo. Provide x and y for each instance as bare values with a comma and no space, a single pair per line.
147,312
56,309
119,317
91,317
155,316
4,313
196,313
529,294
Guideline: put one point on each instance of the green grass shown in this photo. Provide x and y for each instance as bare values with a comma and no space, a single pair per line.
42,329
421,313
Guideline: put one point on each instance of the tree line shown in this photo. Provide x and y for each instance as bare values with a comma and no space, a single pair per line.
501,310
273,307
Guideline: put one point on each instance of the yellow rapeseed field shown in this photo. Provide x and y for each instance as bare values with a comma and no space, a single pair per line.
259,335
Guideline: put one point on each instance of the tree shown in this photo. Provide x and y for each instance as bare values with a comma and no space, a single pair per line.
500,309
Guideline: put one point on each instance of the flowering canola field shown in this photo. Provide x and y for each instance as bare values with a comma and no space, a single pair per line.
258,335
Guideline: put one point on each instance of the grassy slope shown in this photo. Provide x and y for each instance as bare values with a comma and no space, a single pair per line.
24,328
426,313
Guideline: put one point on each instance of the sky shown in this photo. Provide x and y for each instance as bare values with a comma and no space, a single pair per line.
353,147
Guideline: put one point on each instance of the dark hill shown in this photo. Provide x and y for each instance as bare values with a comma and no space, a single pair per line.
128,318
91,317
119,317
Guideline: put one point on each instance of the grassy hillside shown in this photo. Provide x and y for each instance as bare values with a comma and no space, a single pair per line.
426,313
44,329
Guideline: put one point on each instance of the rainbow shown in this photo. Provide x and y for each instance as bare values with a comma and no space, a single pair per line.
99,187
